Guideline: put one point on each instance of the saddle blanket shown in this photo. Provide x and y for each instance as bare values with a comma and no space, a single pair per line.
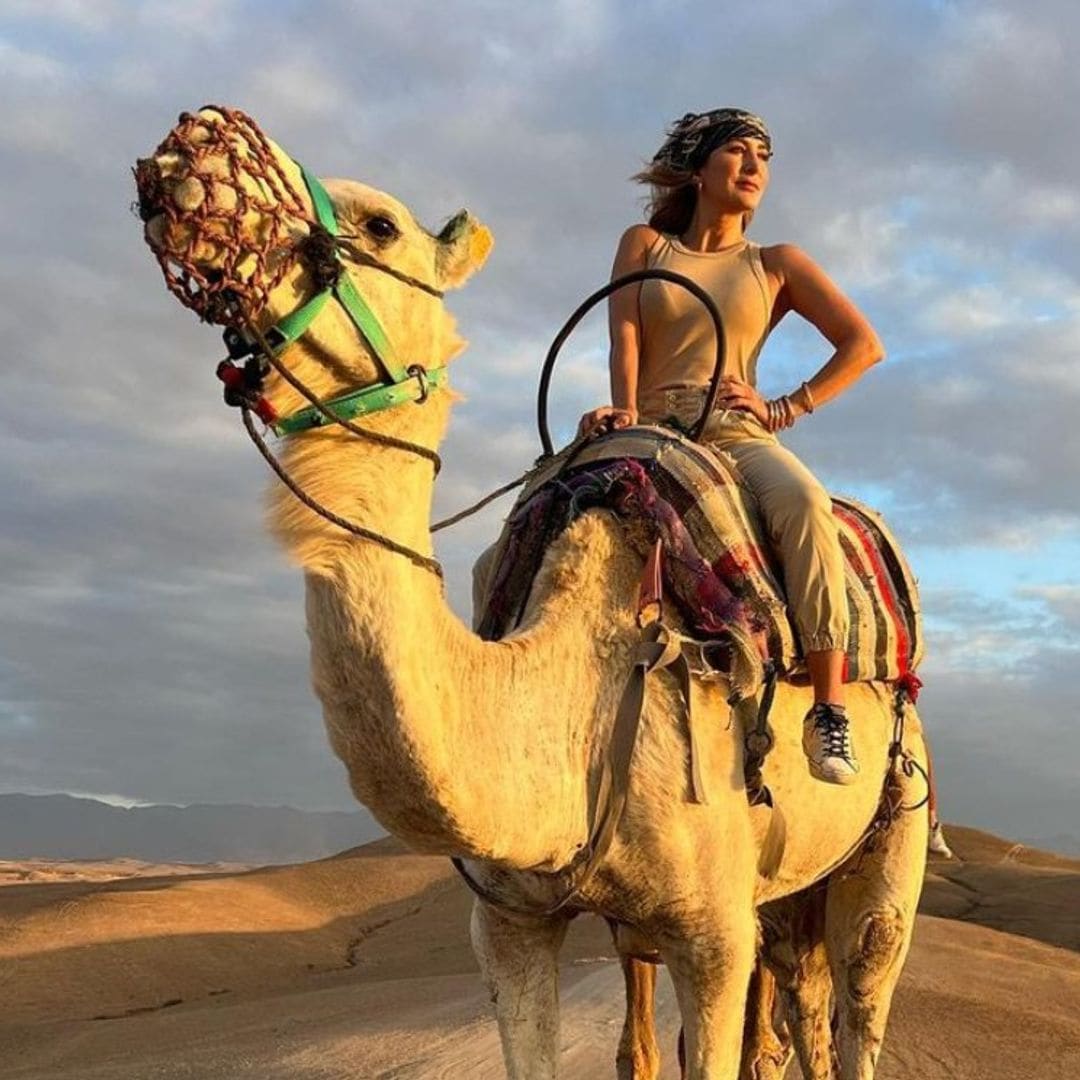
717,561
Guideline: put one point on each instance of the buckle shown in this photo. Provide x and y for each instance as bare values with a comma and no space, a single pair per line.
239,347
420,374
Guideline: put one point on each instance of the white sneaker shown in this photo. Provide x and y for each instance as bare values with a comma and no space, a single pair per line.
827,744
936,843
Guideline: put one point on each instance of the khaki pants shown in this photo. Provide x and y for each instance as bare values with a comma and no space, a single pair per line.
797,513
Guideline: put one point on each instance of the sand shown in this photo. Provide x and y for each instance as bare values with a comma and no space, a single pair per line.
35,871
359,967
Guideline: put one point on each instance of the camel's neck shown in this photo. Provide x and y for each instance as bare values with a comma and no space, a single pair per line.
455,744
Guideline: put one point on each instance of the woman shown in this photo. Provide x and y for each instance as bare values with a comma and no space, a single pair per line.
707,180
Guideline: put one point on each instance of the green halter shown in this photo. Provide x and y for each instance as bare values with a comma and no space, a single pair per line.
401,384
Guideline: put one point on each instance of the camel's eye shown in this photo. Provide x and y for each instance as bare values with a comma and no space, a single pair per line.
382,228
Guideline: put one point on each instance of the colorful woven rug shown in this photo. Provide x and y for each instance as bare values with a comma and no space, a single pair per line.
718,563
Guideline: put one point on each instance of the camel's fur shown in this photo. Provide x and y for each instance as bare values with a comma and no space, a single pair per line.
491,750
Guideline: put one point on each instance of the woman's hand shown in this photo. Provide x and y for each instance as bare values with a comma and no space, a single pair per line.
607,416
736,394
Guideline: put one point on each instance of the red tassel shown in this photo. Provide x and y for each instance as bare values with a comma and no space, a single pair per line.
233,378
910,683
265,411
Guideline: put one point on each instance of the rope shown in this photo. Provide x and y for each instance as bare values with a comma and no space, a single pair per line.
357,530
216,208
892,805
361,256
898,756
461,515
208,207
348,425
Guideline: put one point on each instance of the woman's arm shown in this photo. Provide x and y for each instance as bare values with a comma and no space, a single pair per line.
624,328
803,287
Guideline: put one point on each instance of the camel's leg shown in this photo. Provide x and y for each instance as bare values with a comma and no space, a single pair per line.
638,1057
793,947
766,1049
710,961
870,914
766,1052
518,958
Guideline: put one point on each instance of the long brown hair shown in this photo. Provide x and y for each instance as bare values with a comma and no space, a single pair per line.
673,198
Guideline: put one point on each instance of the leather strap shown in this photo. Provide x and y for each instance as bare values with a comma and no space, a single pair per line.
659,648
362,402
651,588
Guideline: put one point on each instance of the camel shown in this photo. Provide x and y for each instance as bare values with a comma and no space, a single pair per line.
493,751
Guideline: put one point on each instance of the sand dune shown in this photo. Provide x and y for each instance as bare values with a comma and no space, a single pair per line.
359,966
36,871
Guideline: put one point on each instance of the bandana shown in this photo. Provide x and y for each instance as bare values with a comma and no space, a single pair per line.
693,138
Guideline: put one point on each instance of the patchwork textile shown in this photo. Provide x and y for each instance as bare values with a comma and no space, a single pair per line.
718,563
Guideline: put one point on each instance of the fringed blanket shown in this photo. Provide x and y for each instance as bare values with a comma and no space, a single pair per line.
718,565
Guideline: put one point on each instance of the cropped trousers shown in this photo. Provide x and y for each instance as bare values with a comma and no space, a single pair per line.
797,514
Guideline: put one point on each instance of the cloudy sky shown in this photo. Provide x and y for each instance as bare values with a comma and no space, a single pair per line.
151,638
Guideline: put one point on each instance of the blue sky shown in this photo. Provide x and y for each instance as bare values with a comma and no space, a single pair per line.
924,157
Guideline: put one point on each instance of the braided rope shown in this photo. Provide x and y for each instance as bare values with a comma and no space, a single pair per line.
230,173
325,409
357,530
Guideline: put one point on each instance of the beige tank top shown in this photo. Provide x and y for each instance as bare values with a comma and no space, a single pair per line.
678,349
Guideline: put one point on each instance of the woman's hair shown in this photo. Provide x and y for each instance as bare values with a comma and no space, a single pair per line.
670,206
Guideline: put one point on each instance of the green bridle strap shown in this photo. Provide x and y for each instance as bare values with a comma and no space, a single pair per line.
294,325
402,384
363,402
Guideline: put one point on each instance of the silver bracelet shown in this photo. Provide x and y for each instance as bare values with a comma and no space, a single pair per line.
781,413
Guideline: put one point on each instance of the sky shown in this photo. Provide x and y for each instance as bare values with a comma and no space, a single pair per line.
152,646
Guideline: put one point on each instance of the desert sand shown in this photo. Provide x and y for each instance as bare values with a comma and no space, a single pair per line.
359,966
35,871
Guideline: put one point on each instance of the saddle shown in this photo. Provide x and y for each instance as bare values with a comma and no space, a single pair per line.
718,564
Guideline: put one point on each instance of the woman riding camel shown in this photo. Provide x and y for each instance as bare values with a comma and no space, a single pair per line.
707,180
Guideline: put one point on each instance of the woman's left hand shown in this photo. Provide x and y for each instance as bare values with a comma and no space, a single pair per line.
736,394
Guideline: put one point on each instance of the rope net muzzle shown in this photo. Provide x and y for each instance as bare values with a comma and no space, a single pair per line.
228,202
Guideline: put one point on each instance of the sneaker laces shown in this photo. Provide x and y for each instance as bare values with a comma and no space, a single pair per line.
832,722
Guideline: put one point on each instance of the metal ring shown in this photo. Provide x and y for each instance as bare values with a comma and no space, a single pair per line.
617,283
420,374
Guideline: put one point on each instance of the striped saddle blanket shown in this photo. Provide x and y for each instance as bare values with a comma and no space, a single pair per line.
717,561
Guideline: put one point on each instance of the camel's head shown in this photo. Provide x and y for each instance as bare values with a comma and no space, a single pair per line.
238,230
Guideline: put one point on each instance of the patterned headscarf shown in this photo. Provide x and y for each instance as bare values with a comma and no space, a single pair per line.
693,138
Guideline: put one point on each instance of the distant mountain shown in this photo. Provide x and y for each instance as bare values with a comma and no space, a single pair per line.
65,827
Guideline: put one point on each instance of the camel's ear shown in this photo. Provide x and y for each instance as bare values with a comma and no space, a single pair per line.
463,247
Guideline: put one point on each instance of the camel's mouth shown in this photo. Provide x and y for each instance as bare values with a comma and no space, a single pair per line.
222,215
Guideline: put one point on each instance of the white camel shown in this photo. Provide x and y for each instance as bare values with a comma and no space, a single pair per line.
493,751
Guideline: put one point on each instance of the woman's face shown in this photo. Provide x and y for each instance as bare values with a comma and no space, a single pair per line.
736,173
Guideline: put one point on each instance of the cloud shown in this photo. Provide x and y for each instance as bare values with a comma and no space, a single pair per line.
79,15
923,158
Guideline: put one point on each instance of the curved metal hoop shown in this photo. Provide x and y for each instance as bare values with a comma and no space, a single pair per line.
629,279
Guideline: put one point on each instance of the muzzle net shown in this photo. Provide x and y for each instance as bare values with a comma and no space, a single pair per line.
226,195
